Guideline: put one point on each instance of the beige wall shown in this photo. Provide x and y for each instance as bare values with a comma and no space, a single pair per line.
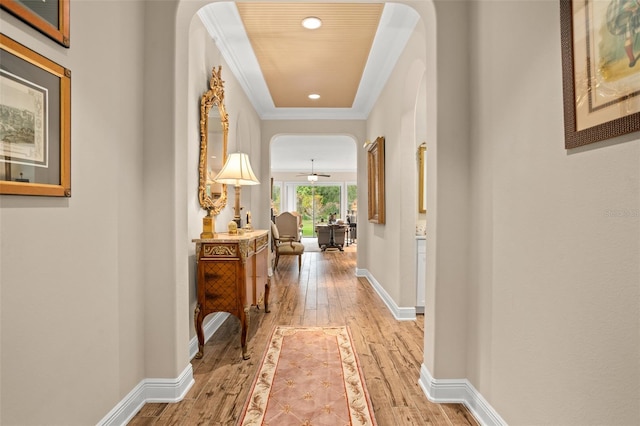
554,280
71,270
448,197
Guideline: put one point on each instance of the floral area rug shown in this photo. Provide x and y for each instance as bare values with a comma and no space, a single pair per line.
309,376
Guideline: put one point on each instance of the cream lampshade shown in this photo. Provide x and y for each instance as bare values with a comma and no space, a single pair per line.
237,172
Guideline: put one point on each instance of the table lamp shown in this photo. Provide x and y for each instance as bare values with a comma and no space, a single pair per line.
237,172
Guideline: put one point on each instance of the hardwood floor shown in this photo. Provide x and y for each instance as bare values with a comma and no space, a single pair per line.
325,292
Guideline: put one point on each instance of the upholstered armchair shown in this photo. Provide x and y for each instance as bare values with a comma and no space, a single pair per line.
285,246
339,234
331,236
289,225
324,236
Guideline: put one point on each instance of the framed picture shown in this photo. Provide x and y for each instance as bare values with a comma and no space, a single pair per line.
422,178
601,70
50,17
375,180
35,123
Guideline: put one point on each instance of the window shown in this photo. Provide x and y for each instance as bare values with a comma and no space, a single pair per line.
352,198
315,203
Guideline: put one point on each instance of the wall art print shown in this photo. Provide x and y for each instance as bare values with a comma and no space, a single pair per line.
35,123
601,71
50,17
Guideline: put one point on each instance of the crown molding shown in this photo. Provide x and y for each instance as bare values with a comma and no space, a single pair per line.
222,21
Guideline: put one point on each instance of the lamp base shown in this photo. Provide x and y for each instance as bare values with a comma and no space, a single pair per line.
236,208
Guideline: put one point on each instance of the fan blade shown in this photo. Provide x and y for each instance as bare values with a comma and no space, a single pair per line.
313,174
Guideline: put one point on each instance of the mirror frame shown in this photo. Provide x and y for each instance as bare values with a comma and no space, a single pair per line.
375,181
422,178
213,96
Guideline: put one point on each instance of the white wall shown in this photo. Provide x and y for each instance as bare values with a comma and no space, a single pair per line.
554,329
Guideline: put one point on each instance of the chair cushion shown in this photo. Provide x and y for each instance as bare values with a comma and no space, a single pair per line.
292,247
274,231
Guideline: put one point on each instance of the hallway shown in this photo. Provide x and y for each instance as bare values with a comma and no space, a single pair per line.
325,292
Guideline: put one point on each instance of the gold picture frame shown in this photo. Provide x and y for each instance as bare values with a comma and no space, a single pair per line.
35,124
375,181
422,178
50,17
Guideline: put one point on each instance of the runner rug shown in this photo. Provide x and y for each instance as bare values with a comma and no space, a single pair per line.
309,376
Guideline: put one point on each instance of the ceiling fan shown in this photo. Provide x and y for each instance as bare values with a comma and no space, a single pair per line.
313,177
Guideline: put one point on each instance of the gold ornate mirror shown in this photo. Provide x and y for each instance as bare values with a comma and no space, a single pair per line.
214,128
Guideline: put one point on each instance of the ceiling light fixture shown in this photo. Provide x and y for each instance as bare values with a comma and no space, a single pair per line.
314,96
311,23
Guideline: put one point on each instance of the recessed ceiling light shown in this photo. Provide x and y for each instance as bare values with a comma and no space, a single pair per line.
311,23
314,96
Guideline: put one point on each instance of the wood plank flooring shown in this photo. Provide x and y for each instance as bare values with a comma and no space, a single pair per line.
325,292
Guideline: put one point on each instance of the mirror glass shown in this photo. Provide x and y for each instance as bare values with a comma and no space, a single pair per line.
214,128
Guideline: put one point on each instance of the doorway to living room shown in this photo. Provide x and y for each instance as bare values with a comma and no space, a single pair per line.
315,178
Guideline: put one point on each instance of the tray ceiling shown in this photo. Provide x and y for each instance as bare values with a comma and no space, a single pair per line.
279,63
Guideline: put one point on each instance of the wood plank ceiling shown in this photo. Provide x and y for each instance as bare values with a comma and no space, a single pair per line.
296,62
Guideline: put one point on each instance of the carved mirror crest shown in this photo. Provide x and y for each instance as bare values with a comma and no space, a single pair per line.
214,128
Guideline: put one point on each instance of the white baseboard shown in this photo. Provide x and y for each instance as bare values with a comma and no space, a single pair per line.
440,390
161,390
399,313
460,391
149,390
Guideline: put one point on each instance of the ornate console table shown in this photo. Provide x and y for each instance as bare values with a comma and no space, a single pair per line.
231,272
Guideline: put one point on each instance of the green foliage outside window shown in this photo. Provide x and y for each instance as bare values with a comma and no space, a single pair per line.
317,203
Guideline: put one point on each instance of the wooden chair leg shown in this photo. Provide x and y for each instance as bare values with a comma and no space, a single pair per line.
299,262
275,263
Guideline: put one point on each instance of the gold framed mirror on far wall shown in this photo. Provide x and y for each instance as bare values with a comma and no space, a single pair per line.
422,178
214,130
375,181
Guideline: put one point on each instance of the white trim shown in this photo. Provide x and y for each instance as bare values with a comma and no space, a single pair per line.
459,391
161,390
149,390
224,25
399,313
